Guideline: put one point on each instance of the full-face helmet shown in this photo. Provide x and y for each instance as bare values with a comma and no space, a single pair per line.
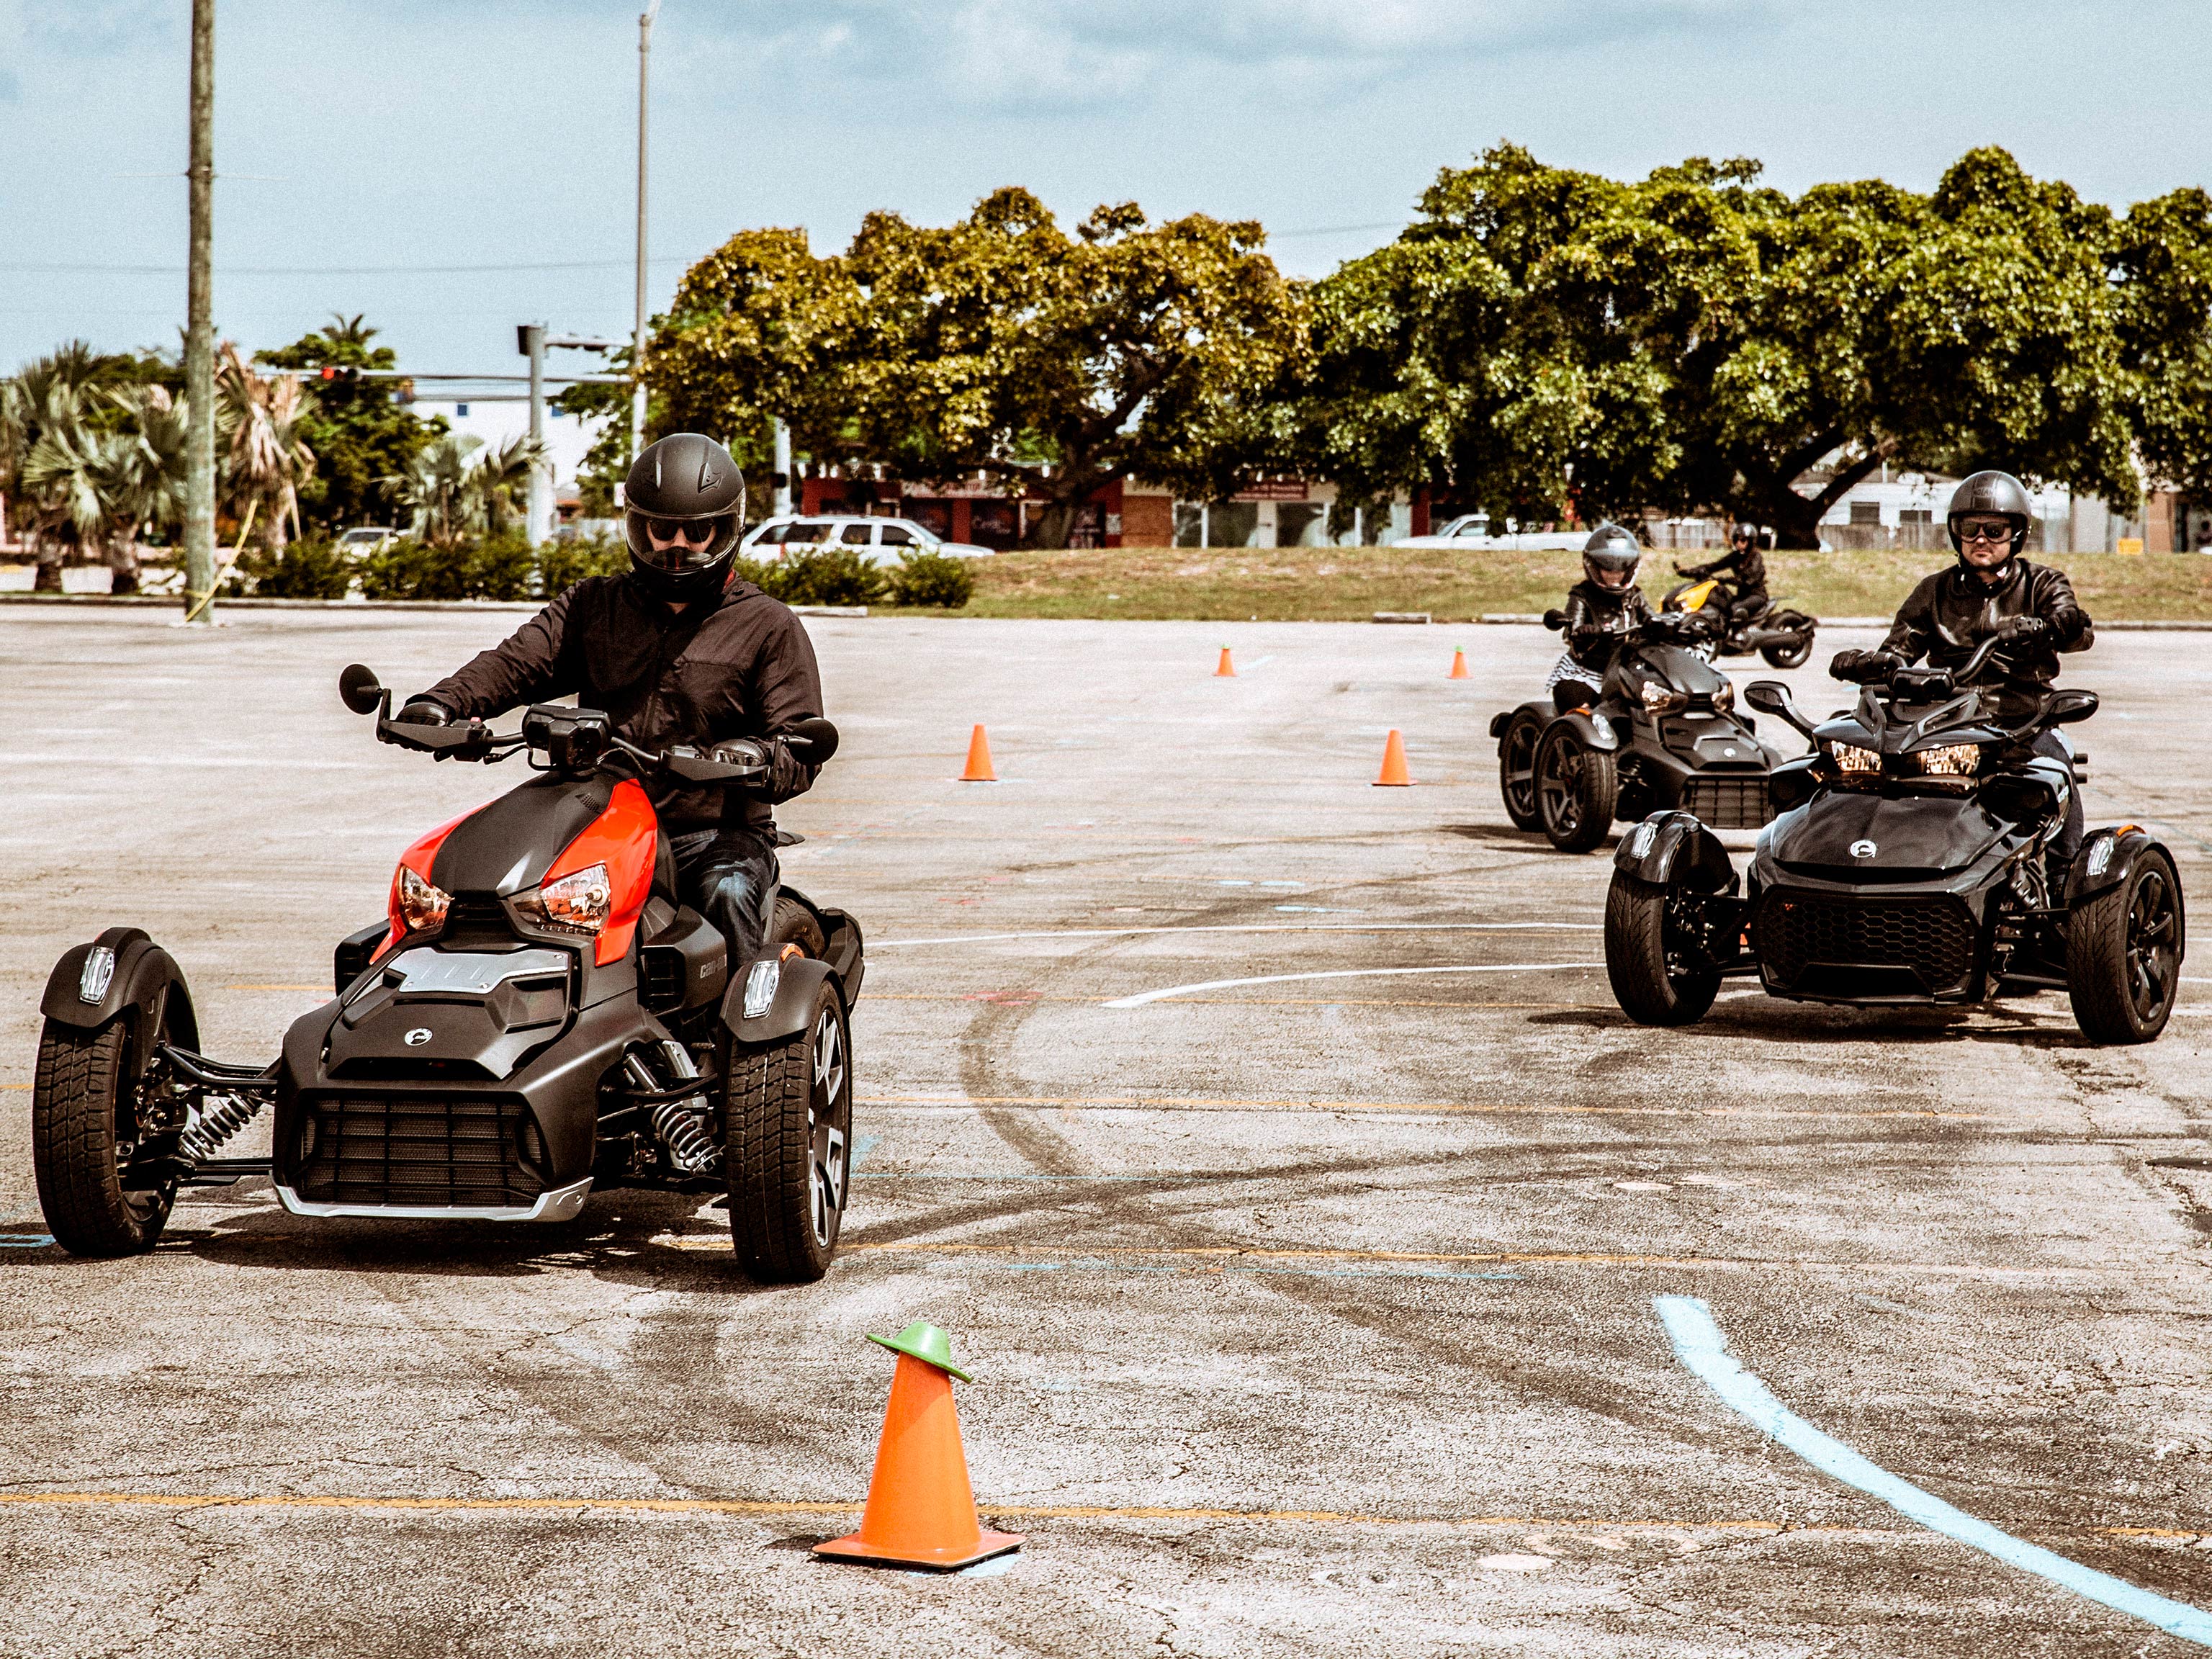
684,506
1610,557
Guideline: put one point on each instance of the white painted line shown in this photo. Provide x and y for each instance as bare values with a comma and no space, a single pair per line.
1699,1345
1144,997
1261,927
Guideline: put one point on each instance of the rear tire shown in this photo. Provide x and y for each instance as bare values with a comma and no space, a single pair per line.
1789,653
1517,770
794,923
2124,951
1644,950
788,1148
1577,788
83,1130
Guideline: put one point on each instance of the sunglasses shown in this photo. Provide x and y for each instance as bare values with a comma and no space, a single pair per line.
692,532
1996,532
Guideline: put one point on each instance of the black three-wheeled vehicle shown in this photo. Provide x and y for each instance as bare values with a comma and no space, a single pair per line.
1662,732
535,1015
1908,865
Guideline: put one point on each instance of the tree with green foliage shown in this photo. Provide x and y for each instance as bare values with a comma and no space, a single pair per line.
999,344
359,432
2162,268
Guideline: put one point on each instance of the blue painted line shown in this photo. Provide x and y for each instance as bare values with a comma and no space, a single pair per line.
862,1146
1078,1266
24,1241
1699,1345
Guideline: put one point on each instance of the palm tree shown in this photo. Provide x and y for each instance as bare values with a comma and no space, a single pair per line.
48,395
436,488
265,460
501,480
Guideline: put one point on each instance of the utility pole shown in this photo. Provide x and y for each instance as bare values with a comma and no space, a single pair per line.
782,479
637,337
199,326
530,340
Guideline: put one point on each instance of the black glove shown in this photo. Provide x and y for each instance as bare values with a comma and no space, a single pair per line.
1864,667
425,711
785,777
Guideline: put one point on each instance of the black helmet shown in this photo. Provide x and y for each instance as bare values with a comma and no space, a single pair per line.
1611,552
1987,493
687,484
1744,533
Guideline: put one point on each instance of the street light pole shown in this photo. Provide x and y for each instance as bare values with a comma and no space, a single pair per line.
531,338
199,326
637,337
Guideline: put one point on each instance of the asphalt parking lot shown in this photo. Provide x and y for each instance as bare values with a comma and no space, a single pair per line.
1311,1304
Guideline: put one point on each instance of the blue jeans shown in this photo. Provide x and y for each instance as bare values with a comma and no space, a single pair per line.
729,876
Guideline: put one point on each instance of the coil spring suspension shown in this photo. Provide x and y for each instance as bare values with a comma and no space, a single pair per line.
220,1118
682,1125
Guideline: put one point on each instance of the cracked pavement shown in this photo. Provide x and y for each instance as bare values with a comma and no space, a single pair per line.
1307,1314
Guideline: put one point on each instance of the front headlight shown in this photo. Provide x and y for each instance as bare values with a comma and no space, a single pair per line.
1724,698
1853,761
1953,760
576,903
419,905
1661,700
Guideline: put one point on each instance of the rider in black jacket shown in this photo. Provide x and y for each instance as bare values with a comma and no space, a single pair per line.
1600,609
677,653
1743,566
1942,618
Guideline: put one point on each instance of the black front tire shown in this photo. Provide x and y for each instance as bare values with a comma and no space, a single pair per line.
83,1130
787,1149
1789,653
2123,952
1517,770
794,923
1577,788
1654,962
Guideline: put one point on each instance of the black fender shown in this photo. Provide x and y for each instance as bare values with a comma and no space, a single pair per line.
2108,857
798,979
1669,848
1543,709
1792,783
144,974
1594,732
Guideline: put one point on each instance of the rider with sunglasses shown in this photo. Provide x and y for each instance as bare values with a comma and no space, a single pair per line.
1940,619
676,652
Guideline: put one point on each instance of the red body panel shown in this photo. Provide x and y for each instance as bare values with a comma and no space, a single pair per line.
418,857
624,838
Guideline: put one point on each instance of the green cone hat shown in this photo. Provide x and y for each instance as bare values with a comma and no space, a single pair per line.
925,1342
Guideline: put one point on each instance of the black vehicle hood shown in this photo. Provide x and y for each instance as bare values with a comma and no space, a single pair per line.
1911,834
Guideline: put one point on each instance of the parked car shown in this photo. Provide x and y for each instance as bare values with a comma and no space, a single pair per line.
1470,531
880,541
364,540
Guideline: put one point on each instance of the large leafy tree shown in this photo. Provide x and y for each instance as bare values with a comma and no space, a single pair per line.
2162,262
1695,341
358,434
1000,344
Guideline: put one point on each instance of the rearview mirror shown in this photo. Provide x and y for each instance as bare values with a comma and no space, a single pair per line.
359,690
814,739
1555,619
1768,696
2067,707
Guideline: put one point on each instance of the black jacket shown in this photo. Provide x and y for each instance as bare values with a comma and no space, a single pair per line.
1951,601
1746,569
1597,618
744,668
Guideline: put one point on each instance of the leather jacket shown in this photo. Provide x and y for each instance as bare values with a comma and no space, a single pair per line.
1951,602
1746,570
1597,618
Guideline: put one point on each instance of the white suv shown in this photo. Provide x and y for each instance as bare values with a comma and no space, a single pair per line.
878,541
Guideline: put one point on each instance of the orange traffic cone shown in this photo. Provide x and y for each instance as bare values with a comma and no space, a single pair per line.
1224,672
1458,667
922,1511
979,760
1394,763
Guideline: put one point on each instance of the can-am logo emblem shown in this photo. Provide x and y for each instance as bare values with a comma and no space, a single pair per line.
417,1037
1860,849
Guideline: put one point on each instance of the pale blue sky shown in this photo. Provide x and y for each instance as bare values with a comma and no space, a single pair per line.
420,135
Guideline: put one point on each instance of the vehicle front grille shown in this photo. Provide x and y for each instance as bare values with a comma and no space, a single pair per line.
422,1150
1802,936
1736,803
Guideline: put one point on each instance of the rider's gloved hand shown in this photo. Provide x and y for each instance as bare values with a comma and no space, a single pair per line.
785,776
425,711
2024,627
1864,667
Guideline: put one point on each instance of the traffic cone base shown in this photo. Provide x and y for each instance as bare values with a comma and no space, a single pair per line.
1395,776
921,1510
979,760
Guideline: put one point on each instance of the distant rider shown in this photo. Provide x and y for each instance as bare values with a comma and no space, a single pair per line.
1742,569
1939,619
677,654
1602,609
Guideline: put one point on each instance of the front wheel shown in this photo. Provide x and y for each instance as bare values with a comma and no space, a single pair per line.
788,1127
1791,652
1517,770
1576,791
2124,950
84,1132
1656,954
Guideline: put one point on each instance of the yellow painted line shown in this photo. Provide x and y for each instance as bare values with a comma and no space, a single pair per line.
1199,1103
324,989
14,1085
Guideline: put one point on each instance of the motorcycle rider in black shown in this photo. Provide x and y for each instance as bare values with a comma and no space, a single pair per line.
1989,518
1743,566
677,654
1603,607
